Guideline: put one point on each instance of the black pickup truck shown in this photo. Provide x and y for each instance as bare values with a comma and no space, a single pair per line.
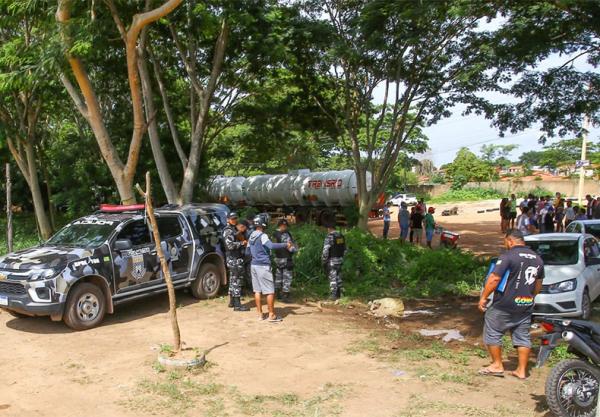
101,260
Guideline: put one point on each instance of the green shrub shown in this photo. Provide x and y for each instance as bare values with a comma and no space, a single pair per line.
468,194
374,267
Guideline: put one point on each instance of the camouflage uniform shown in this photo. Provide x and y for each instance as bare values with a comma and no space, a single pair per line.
334,249
283,262
234,255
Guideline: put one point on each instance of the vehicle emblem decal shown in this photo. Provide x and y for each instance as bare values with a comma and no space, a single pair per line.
138,269
2,277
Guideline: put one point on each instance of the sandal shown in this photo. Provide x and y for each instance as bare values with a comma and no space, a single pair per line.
488,372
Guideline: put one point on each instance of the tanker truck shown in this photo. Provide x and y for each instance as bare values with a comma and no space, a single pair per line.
317,196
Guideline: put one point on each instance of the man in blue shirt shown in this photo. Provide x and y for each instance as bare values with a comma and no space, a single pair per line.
260,246
404,221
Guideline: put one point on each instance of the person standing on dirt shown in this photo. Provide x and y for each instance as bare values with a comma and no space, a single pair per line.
513,210
559,217
512,307
403,221
589,209
387,218
417,226
504,214
332,258
413,210
524,222
429,226
260,246
570,213
235,244
284,264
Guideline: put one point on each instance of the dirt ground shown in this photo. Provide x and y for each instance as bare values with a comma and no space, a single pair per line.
479,232
322,360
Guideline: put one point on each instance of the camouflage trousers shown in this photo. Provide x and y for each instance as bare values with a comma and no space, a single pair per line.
284,272
237,270
334,274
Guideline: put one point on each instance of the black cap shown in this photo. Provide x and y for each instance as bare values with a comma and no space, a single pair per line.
232,215
282,221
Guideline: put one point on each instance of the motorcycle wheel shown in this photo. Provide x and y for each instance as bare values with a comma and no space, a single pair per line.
572,389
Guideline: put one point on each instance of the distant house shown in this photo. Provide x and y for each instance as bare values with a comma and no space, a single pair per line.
512,170
569,170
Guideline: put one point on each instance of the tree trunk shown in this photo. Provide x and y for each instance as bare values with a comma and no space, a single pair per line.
9,222
36,194
159,157
364,198
163,264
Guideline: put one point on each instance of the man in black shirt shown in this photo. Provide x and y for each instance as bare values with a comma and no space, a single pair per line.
515,281
284,264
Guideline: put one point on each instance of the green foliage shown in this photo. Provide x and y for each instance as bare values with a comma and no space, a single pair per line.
468,194
24,232
374,267
468,167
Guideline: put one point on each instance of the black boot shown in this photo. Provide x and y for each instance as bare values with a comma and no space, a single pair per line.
230,305
237,305
278,293
334,295
285,298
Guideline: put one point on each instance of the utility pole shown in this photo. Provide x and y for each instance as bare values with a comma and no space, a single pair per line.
586,126
9,225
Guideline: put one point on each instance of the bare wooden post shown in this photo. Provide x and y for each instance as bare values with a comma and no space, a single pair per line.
163,263
9,223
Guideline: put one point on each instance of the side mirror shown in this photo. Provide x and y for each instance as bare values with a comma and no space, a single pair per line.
123,244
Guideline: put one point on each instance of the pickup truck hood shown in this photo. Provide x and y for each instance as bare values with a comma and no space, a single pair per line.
558,273
42,257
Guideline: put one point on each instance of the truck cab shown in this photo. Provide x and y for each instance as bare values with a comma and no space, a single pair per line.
101,260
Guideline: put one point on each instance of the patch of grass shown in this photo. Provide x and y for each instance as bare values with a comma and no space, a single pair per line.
467,194
419,406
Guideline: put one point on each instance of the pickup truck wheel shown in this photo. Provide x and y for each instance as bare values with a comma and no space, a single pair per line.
207,283
85,307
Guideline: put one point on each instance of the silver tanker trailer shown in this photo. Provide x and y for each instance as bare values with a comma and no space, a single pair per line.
302,193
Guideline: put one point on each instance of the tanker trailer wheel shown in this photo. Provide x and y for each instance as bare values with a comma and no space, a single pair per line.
326,217
302,215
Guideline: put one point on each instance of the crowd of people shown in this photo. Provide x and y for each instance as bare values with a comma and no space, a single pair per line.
248,250
545,214
412,223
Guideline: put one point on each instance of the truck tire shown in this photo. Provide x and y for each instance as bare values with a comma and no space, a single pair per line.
86,306
207,283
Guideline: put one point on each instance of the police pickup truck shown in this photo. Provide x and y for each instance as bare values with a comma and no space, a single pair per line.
109,257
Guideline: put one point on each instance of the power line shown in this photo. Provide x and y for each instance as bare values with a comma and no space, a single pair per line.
466,145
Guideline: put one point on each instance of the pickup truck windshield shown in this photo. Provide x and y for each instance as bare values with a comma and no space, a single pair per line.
557,252
81,235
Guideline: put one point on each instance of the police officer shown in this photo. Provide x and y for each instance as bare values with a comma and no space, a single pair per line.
333,258
235,246
283,261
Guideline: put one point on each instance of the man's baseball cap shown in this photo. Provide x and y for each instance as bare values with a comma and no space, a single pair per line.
232,215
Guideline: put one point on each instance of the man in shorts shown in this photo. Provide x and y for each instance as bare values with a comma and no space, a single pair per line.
260,246
512,305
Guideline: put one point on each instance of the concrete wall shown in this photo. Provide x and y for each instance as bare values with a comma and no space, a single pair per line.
566,188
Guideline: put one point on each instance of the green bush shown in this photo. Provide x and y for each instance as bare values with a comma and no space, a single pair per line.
468,194
24,232
374,267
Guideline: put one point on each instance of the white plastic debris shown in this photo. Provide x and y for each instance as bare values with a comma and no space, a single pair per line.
418,312
449,335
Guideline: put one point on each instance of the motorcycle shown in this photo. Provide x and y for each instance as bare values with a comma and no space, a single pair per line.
572,385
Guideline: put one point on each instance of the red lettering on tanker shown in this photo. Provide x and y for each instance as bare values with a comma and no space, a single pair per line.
318,184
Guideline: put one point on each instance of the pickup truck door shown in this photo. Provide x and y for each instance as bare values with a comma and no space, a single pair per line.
138,266
592,266
177,244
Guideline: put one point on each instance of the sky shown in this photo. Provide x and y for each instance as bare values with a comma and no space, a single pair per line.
450,134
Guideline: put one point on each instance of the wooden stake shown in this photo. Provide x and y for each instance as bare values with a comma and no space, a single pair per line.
9,220
163,263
